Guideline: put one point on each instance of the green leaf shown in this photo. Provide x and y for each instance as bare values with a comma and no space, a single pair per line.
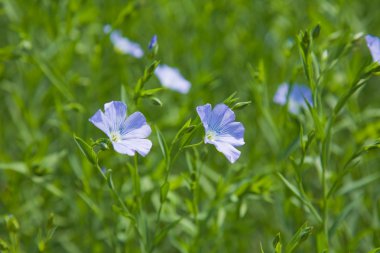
19,167
94,207
164,191
163,145
159,237
296,192
302,234
231,99
261,248
86,150
277,244
241,105
150,92
156,101
377,250
353,186
184,129
3,245
150,70
316,31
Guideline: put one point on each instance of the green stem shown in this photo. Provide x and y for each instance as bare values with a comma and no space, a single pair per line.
113,190
193,145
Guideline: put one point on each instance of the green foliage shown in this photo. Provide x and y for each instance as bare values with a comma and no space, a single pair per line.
310,180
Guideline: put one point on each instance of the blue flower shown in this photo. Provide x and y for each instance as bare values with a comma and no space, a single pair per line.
127,134
172,79
153,42
373,44
107,28
123,44
298,96
222,130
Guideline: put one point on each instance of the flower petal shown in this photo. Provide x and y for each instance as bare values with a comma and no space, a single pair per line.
298,96
130,146
115,113
135,126
126,46
122,148
99,120
153,42
373,44
229,151
232,133
204,111
172,78
281,94
300,93
220,116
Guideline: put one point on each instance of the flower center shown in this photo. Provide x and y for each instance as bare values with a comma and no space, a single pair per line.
210,135
115,137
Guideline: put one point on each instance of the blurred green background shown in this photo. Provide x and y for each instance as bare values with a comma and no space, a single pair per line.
58,67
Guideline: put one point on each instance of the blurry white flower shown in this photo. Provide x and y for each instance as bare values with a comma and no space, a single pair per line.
172,79
122,44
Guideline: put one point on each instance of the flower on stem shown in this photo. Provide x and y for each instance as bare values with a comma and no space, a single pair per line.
298,96
123,44
127,134
222,130
172,78
373,44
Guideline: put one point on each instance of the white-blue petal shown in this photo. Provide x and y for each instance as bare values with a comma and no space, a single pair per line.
298,96
204,111
373,44
229,151
135,127
172,78
126,46
99,120
232,133
300,93
130,146
281,94
122,148
220,116
115,113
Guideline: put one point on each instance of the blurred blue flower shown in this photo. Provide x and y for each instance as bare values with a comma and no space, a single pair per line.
373,44
172,78
123,44
221,130
107,28
297,97
152,42
127,134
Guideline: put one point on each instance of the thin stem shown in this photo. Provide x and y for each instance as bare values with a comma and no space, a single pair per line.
113,190
193,145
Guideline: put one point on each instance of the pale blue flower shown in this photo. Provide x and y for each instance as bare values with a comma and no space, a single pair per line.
373,44
107,28
222,130
153,42
127,134
298,96
123,44
172,78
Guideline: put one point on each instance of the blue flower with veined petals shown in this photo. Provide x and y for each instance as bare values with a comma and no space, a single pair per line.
222,130
172,78
298,96
127,134
373,44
